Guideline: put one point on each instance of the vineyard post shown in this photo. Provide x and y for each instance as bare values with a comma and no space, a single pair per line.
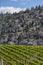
2,62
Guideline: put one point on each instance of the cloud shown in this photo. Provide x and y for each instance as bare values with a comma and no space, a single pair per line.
11,9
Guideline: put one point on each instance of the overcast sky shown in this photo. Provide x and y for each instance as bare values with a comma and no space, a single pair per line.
18,5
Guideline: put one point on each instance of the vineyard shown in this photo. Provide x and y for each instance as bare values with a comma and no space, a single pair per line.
21,55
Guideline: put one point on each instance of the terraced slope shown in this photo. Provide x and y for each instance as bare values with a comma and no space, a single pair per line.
21,55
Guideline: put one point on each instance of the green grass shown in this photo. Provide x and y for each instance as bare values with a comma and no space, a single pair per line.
21,55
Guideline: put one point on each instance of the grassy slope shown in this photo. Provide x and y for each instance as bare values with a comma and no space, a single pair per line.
21,55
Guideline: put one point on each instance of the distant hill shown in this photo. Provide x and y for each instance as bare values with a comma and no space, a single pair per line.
24,28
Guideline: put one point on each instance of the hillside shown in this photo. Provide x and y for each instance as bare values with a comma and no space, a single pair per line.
24,28
21,55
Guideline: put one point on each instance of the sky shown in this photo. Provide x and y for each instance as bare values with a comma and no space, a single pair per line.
18,5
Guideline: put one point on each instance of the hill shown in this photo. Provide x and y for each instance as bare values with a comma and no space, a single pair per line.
24,28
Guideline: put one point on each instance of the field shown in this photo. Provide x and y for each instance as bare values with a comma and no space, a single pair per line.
21,55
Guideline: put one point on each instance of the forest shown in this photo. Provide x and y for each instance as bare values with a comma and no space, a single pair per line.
23,28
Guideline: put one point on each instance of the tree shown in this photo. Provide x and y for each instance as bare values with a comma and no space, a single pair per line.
32,8
27,11
1,15
39,7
